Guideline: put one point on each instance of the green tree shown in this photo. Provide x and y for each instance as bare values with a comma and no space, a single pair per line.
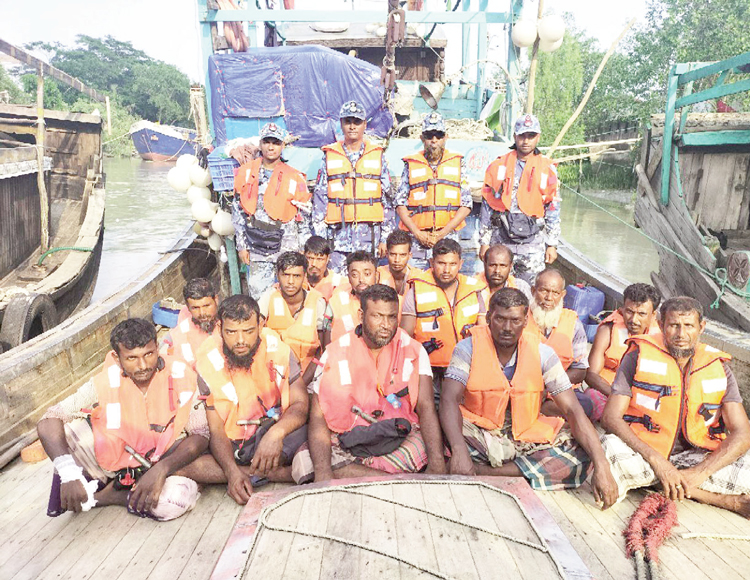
53,98
15,93
161,93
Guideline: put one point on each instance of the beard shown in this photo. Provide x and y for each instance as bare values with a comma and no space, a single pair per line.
377,340
680,353
240,362
206,326
313,279
546,320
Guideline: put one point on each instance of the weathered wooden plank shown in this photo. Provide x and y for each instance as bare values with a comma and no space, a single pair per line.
379,531
307,553
130,542
344,521
489,553
413,529
451,541
206,553
272,549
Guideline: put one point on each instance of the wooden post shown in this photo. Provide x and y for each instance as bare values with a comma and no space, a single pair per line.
532,67
43,198
580,173
109,116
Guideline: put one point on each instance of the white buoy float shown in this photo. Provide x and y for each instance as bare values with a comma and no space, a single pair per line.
215,241
546,46
179,179
222,223
524,33
196,192
199,176
551,29
186,160
203,210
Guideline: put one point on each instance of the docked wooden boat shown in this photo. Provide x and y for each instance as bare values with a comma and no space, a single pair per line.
694,193
157,142
48,368
49,252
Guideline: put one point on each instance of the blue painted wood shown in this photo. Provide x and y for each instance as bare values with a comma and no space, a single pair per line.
714,93
714,138
714,68
262,15
666,159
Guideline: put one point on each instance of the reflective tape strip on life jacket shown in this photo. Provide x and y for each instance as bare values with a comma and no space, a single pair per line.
345,308
617,347
561,337
434,194
300,332
396,373
537,186
246,395
285,185
354,193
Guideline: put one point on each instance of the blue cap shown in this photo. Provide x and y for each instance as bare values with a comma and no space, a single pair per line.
527,124
352,109
273,131
433,122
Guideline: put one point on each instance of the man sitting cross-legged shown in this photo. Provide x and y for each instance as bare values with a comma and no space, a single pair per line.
256,402
675,415
491,401
142,427
372,410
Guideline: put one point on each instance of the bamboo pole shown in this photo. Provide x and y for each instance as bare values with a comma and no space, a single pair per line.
534,61
590,90
109,116
40,128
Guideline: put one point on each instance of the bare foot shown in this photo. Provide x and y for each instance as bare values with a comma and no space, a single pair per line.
110,496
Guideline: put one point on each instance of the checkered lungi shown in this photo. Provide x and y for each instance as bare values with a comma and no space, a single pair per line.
563,464
410,457
632,471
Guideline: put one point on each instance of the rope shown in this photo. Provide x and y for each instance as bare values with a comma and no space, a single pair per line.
116,138
353,490
719,275
53,250
690,536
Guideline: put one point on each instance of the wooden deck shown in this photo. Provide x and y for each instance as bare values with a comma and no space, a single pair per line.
110,544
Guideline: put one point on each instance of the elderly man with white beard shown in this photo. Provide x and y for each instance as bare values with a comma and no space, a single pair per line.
559,328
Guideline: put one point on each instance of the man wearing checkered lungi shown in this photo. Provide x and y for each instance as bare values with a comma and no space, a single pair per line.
490,408
675,417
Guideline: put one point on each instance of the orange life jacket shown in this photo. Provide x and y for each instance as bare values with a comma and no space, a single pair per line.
664,403
509,283
561,337
327,284
149,423
300,333
353,377
345,307
537,187
387,278
617,347
286,184
488,390
438,319
354,193
186,339
237,395
434,196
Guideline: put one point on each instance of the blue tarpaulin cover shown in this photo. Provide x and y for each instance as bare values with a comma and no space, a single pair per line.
303,87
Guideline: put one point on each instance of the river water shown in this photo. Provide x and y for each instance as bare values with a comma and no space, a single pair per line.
144,216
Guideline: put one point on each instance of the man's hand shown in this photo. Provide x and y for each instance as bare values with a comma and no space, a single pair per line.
423,238
550,255
239,487
268,454
605,487
694,478
146,492
673,481
72,495
461,463
244,256
483,251
382,250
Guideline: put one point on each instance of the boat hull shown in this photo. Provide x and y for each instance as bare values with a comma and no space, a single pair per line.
154,144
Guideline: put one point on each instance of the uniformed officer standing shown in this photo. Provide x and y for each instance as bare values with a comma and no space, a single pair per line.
433,198
352,204
521,205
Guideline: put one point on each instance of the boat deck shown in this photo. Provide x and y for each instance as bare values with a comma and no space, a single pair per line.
108,543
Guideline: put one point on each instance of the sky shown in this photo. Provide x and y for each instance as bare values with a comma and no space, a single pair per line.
167,29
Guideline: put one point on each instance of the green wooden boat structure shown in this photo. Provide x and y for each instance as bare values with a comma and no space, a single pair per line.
694,190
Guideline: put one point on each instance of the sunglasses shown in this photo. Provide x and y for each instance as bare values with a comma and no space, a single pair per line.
430,135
